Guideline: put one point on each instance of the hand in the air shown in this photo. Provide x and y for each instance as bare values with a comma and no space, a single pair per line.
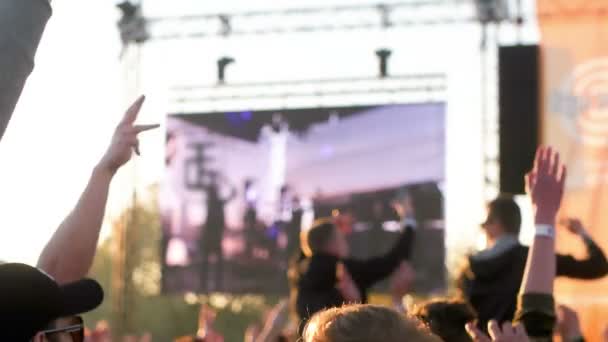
125,139
568,324
346,285
545,184
507,333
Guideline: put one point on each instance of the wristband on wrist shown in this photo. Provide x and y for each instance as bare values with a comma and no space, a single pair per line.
545,230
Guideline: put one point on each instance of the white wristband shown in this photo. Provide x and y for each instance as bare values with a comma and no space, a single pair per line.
545,230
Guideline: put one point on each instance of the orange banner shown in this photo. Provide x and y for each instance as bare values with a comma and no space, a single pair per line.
574,62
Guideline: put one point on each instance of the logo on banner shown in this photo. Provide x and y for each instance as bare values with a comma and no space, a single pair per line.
581,102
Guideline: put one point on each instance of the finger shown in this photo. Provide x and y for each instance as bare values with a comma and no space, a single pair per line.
475,333
494,329
562,174
136,148
555,165
133,111
545,160
142,128
537,157
530,181
562,179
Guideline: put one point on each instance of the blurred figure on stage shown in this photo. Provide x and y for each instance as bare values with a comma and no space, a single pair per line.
213,233
376,227
492,278
250,219
294,227
173,206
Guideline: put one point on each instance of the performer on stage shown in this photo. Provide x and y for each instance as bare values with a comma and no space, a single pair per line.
250,219
213,233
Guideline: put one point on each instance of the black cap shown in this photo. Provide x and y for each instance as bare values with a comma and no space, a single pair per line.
30,300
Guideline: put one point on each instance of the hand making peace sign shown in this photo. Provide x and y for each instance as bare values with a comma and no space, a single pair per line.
125,139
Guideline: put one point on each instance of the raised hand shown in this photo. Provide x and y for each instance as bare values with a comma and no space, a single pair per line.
568,324
545,184
507,333
346,286
125,139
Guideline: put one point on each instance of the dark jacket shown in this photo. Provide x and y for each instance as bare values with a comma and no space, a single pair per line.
315,278
491,285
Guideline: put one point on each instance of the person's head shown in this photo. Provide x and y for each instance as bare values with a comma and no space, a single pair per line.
504,217
33,305
324,238
364,323
446,318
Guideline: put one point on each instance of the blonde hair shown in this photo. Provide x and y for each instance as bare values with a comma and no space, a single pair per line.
364,323
315,238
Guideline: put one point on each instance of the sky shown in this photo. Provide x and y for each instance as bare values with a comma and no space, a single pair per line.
79,89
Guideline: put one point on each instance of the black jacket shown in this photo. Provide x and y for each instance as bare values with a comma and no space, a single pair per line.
315,277
491,285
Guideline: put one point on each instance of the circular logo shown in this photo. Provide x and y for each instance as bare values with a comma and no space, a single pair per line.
582,103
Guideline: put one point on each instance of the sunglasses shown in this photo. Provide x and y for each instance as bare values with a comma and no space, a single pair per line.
74,329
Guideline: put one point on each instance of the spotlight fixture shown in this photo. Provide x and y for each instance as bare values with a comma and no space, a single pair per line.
132,25
383,55
128,10
385,15
492,11
225,25
222,63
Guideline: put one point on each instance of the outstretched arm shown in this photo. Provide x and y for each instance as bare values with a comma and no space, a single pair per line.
367,272
21,25
69,254
594,266
546,186
276,322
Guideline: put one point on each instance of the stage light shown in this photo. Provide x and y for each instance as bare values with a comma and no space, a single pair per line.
132,25
383,55
385,16
222,63
128,9
492,11
226,27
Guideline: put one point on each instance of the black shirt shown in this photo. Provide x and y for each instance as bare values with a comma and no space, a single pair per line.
315,278
491,285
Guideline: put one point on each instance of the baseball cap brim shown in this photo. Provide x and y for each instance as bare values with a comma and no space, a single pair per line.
80,297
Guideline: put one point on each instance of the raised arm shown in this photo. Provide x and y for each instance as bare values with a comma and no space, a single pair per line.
366,273
275,323
69,254
21,25
546,187
594,266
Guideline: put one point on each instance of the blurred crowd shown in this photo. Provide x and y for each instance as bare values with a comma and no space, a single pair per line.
506,290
